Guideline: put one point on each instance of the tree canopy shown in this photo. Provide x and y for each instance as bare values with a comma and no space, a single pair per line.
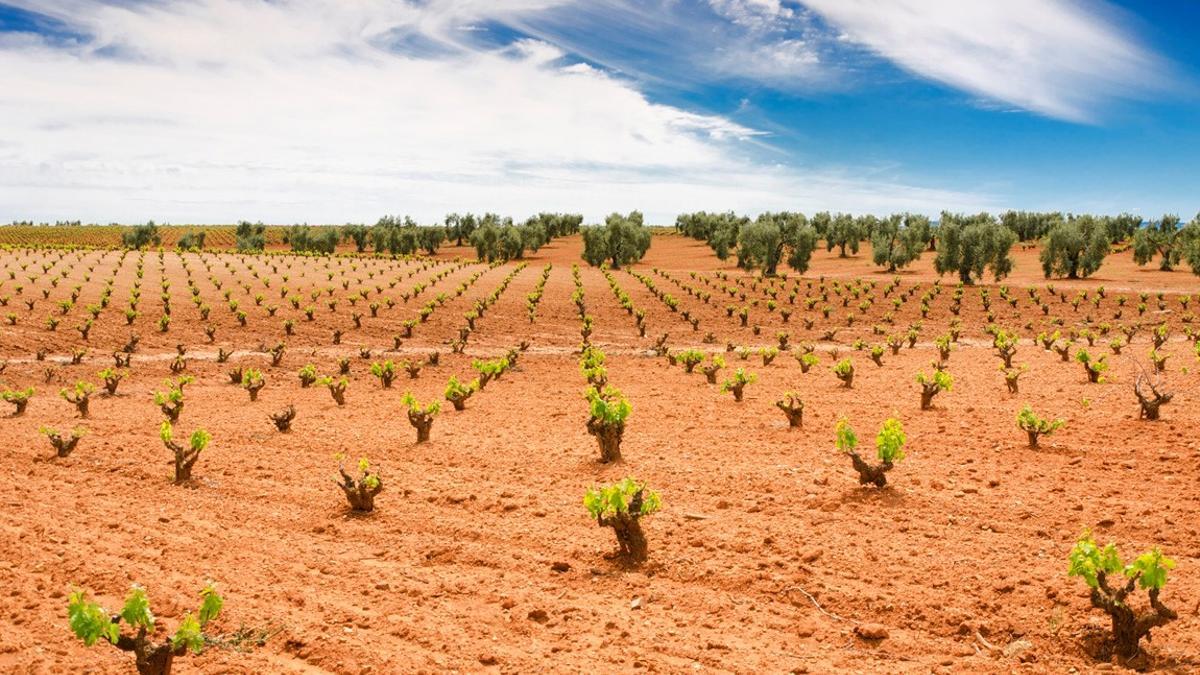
1075,248
899,240
621,240
969,245
763,243
250,236
1159,238
140,236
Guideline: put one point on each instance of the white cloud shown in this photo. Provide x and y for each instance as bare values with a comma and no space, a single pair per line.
1060,58
214,110
754,14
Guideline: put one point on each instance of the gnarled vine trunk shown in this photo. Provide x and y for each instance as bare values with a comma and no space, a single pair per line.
1129,627
630,538
423,424
870,474
151,658
608,436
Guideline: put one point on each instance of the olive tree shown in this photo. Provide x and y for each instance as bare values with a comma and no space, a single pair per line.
1075,248
430,238
557,224
1191,243
763,243
395,235
719,230
250,236
359,234
844,232
969,245
1030,225
192,239
313,240
1121,227
1159,238
899,240
621,240
140,236
460,227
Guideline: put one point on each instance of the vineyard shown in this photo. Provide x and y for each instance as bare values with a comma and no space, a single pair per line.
401,463
109,236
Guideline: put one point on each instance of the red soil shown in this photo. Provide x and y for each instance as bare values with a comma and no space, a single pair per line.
766,555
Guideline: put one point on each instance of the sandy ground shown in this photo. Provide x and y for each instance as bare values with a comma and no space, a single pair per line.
480,557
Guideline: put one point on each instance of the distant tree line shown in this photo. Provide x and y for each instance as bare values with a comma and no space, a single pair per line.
969,245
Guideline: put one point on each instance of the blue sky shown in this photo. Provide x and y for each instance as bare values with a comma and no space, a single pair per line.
330,111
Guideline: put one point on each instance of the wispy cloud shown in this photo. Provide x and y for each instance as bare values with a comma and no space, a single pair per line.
1061,58
211,110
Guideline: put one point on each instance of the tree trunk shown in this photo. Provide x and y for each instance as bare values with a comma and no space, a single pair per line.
608,436
869,474
630,538
927,394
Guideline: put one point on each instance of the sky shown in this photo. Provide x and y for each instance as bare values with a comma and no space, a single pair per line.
332,111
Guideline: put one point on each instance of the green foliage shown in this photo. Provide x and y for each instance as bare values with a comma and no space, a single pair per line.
141,236
17,396
1088,560
608,405
91,623
1190,238
252,378
847,440
1029,225
192,240
1150,569
337,388
809,359
81,390
1028,421
385,371
764,243
1075,248
740,378
1094,366
890,442
491,368
940,379
719,230
690,358
894,246
497,239
307,374
305,239
211,604
591,365
841,231
136,611
970,245
359,234
843,368
1161,238
456,390
250,237
620,241
609,500
198,441
409,401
